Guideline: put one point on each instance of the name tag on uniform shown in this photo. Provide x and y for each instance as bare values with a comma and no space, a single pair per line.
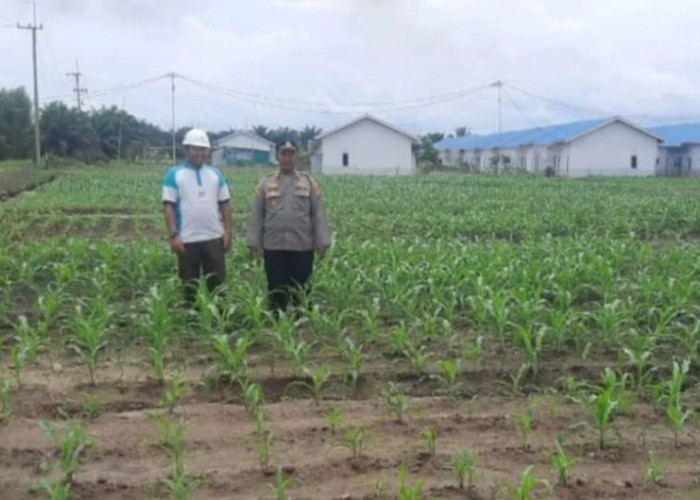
201,193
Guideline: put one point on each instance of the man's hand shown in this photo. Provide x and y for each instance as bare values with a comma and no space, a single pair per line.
177,245
228,239
321,252
254,253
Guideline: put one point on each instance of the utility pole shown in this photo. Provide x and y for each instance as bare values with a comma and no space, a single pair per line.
78,89
121,123
37,139
172,95
499,85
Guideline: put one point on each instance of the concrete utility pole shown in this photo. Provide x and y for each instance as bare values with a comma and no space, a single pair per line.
172,95
499,86
78,89
37,139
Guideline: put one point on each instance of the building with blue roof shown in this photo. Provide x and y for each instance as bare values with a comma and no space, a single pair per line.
679,154
607,146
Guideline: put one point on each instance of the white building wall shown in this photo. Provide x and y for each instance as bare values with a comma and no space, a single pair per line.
247,142
372,149
608,151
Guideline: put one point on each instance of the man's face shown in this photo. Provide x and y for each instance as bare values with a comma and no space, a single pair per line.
196,155
287,159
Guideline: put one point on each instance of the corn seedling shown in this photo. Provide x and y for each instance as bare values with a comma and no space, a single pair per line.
448,376
562,464
89,336
260,418
334,419
525,420
230,362
464,467
159,324
71,444
264,450
400,340
180,483
353,352
281,485
418,356
475,352
28,338
172,395
295,350
171,434
5,401
601,407
252,396
318,380
56,490
430,436
677,417
91,407
639,360
526,486
406,491
654,474
355,440
396,401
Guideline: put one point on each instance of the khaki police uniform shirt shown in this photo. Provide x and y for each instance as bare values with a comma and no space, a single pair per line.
288,214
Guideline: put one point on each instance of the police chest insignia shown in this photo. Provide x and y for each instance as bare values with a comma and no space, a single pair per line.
273,202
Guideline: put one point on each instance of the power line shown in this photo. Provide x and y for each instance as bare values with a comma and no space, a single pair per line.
114,90
560,103
519,109
275,103
285,101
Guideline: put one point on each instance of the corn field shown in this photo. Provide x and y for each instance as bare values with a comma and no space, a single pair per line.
465,337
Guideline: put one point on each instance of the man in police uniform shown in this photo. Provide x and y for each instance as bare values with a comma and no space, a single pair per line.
288,225
198,216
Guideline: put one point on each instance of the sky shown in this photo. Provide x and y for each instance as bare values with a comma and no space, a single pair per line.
324,62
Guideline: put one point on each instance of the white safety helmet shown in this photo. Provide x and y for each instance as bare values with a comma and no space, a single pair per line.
196,137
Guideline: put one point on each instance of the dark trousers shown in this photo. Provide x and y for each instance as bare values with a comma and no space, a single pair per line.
202,259
288,274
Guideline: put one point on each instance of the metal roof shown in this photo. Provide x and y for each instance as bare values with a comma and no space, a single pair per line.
677,135
541,136
379,121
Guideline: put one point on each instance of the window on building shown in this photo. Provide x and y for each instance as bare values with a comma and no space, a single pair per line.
633,161
346,160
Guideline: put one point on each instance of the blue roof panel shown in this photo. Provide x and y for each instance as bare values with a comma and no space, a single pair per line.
541,136
677,135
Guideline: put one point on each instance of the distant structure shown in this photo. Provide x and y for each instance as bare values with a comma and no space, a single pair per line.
243,148
364,146
679,154
609,146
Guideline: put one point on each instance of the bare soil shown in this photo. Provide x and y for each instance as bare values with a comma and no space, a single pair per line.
221,444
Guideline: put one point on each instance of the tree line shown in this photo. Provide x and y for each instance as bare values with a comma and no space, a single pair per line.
110,133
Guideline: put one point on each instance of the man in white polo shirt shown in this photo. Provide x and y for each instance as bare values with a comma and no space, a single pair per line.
198,216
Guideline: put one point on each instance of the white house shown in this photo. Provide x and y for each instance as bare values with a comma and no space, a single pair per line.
364,146
679,154
243,148
611,146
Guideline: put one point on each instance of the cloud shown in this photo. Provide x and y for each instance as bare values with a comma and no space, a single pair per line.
626,56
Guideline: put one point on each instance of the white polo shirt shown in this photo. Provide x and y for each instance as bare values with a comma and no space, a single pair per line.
196,194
